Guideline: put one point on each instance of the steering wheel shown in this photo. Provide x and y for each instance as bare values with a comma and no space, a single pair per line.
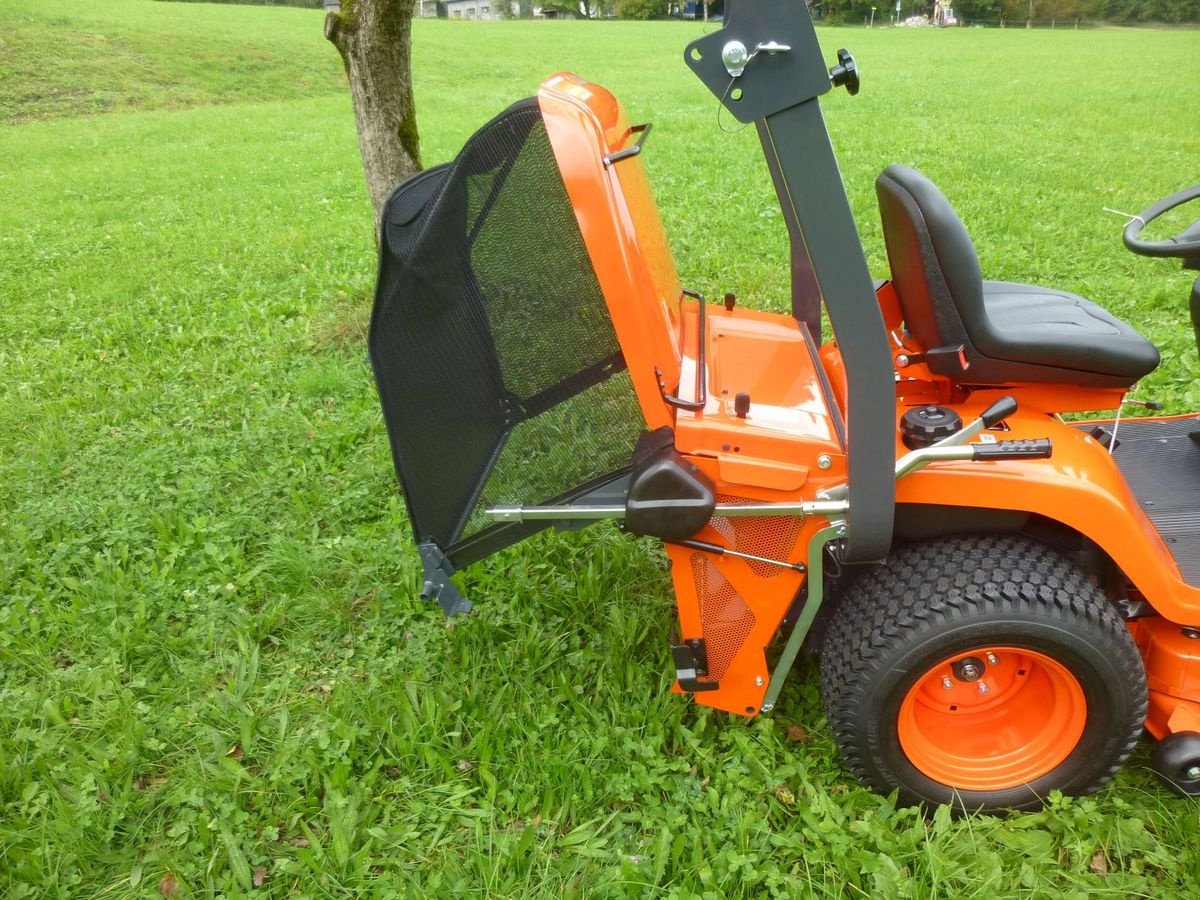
1185,245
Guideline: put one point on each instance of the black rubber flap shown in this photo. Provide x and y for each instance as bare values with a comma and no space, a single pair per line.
498,368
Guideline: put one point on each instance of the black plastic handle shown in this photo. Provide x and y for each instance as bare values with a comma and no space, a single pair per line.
1035,448
998,411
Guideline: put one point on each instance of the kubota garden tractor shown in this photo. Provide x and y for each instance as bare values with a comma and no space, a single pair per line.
1006,599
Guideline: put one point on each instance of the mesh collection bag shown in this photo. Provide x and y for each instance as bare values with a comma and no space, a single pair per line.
498,369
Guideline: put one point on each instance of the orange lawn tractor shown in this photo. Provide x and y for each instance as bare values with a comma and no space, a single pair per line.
1001,600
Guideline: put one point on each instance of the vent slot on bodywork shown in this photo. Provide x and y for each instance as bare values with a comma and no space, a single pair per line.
499,372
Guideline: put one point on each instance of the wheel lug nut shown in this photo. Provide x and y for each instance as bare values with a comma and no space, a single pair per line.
991,658
947,683
983,688
1193,774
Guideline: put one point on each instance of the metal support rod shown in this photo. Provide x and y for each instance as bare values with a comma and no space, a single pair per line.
830,504
607,511
816,594
717,549
961,437
919,459
562,513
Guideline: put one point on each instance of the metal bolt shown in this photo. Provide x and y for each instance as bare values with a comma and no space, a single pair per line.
1193,774
983,688
947,683
735,56
901,360
758,680
991,658
824,461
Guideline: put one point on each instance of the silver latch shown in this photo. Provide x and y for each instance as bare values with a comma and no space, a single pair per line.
736,57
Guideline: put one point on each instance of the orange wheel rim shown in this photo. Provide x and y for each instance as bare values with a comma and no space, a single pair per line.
1022,723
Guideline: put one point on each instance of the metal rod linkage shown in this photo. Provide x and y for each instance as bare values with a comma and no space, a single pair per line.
816,593
607,511
718,550
831,504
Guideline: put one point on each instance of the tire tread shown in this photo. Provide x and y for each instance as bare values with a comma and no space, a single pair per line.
941,582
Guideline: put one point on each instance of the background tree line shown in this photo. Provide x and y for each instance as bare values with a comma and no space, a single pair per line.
1018,12
992,12
307,4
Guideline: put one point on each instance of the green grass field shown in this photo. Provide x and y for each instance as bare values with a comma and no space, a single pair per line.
215,674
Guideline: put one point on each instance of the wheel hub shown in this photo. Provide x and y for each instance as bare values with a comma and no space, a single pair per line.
992,726
969,669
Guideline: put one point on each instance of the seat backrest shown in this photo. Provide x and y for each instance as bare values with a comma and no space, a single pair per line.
934,266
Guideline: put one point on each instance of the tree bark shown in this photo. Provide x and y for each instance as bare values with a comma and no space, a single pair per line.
374,40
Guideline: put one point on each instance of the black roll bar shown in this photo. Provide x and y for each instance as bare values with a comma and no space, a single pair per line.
783,74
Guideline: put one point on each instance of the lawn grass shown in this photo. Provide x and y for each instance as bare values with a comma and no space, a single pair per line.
215,668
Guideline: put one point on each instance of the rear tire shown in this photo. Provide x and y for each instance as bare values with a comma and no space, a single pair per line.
1064,689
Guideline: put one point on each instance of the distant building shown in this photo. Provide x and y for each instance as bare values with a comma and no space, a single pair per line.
475,9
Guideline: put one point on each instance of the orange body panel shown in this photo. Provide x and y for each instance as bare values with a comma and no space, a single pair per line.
773,454
1080,486
622,230
1172,658
789,446
789,423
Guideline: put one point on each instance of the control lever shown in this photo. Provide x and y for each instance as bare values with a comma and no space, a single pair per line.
955,447
998,411
989,418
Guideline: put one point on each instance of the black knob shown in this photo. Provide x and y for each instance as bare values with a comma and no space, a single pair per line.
730,301
845,73
926,425
741,404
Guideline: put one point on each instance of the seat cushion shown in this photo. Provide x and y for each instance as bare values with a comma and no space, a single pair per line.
1044,327
993,332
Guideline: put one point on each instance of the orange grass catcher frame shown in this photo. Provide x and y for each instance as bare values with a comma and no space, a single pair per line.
1000,599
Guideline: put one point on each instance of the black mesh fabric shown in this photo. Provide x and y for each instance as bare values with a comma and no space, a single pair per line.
498,369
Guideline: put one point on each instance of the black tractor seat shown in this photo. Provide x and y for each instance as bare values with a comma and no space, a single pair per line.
993,332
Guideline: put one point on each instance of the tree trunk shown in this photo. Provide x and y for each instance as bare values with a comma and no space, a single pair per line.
373,38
